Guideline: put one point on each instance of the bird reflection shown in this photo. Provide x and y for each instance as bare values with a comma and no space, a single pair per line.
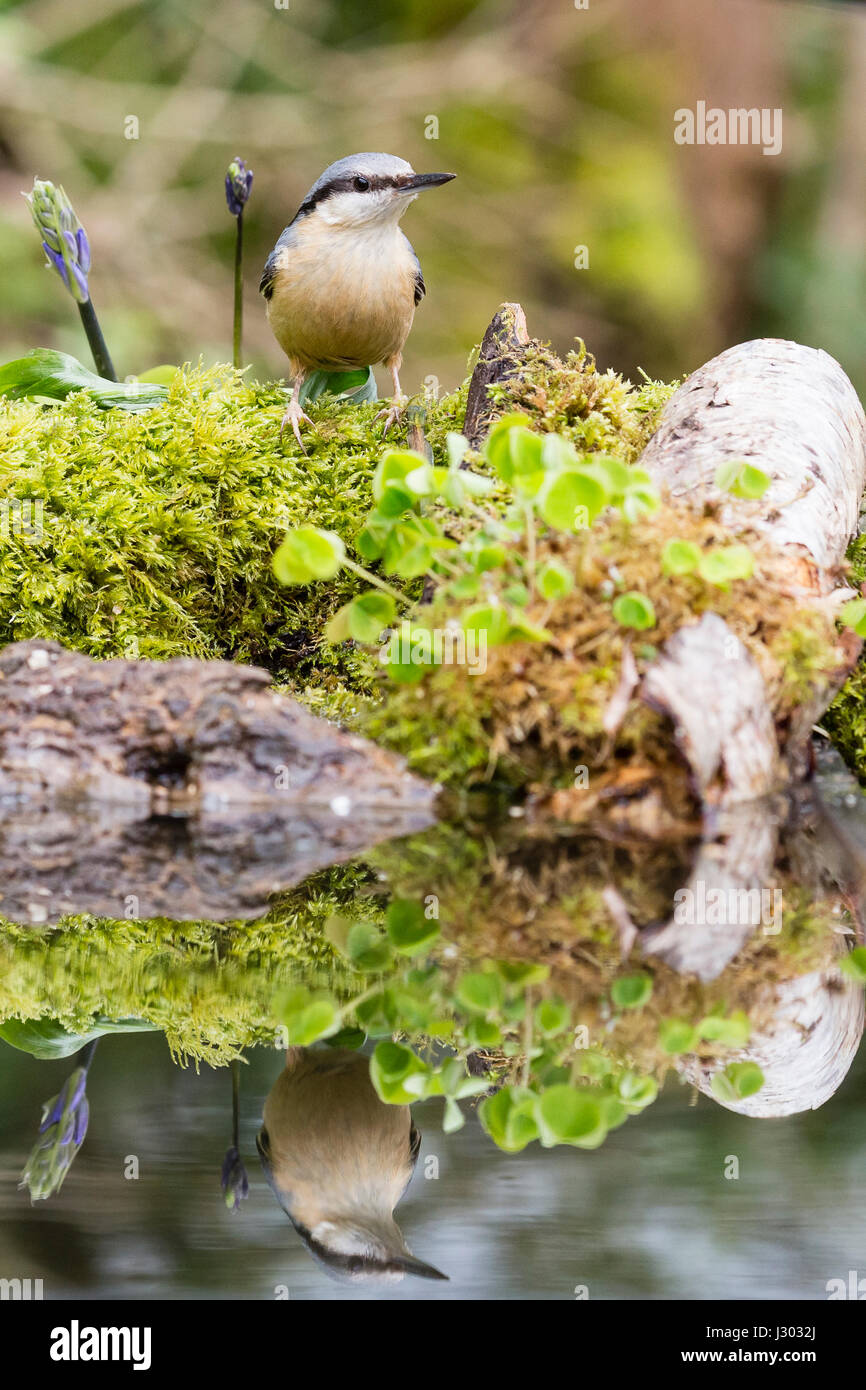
338,1160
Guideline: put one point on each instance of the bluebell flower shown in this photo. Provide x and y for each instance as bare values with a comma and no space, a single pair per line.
239,181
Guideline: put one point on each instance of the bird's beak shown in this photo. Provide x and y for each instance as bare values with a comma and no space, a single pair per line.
416,183
419,1268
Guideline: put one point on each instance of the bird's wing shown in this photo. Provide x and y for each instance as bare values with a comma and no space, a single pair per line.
420,287
272,264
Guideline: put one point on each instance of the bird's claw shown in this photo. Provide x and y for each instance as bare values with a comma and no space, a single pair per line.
293,416
393,413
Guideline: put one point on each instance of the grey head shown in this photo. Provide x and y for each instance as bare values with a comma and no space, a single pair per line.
366,187
367,1249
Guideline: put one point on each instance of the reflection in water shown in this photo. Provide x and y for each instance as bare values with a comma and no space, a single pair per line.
548,966
338,1161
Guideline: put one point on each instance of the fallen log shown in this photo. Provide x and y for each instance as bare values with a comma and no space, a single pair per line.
183,736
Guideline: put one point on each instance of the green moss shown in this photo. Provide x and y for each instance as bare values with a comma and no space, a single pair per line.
209,987
596,411
157,529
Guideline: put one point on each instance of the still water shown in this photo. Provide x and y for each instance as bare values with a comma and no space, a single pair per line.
685,1200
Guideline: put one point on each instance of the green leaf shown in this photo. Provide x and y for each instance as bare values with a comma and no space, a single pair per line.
636,1092
410,932
552,1017
456,447
483,1033
568,1115
518,974
307,554
479,992
49,375
634,610
337,628
391,1066
731,1031
454,1118
497,449
47,1039
741,479
632,991
554,580
307,1016
738,1081
487,618
853,614
508,1118
677,1036
355,386
368,948
571,500
680,557
728,562
854,964
369,615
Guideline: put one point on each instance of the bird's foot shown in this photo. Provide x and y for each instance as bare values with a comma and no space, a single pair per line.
393,413
293,416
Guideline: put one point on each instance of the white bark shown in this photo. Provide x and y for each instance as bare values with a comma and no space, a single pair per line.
804,1052
789,410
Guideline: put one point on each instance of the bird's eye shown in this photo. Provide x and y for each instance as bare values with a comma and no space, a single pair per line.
362,184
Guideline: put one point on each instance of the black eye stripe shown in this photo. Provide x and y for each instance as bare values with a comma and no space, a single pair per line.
349,184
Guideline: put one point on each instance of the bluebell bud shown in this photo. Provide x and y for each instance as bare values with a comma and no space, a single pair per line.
235,1183
61,1134
239,181
64,240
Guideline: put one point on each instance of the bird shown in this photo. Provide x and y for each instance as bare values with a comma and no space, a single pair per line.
338,1160
342,283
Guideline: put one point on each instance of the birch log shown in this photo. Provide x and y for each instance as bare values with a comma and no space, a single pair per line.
804,1052
792,412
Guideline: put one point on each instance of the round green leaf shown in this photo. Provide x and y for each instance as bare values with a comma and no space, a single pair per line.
632,991
680,557
369,614
307,554
554,580
634,610
410,932
677,1036
725,564
571,500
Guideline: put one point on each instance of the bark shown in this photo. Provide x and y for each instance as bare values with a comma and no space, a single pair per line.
792,412
182,736
804,1052
502,350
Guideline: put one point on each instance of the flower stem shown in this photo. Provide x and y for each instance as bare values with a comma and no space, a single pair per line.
104,364
236,1098
374,579
239,292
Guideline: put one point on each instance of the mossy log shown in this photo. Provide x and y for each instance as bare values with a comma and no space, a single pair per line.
163,737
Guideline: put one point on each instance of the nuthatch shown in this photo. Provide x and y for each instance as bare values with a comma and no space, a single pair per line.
338,1160
342,282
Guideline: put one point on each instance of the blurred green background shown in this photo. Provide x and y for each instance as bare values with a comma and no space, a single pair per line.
558,120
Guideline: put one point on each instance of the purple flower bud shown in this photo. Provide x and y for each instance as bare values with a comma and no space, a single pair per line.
61,1134
235,1183
239,181
64,240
